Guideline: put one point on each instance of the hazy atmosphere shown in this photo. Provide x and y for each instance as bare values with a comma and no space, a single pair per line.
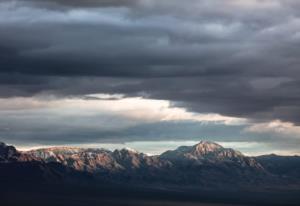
151,75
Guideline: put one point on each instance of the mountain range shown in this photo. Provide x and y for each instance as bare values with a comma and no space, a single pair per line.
205,163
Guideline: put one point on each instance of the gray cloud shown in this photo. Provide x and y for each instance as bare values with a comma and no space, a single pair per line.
237,58
33,128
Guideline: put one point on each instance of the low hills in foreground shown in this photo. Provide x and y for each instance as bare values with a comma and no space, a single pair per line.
205,171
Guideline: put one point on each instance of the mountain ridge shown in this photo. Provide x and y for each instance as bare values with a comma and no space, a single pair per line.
204,150
207,164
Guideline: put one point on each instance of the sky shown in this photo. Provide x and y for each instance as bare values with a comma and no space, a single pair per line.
151,75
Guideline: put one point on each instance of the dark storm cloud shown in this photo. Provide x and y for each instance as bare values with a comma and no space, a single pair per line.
236,58
83,3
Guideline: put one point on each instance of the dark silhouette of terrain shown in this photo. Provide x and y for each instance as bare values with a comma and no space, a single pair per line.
202,174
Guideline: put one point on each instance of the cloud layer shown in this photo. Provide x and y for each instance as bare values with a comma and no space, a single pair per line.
237,58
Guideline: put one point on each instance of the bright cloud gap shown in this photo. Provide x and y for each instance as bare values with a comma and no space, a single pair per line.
131,107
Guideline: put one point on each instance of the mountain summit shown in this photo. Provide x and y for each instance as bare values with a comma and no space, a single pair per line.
205,147
210,152
200,150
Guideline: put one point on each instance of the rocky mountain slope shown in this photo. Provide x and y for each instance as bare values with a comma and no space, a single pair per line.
210,153
205,164
283,166
100,159
19,167
10,154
